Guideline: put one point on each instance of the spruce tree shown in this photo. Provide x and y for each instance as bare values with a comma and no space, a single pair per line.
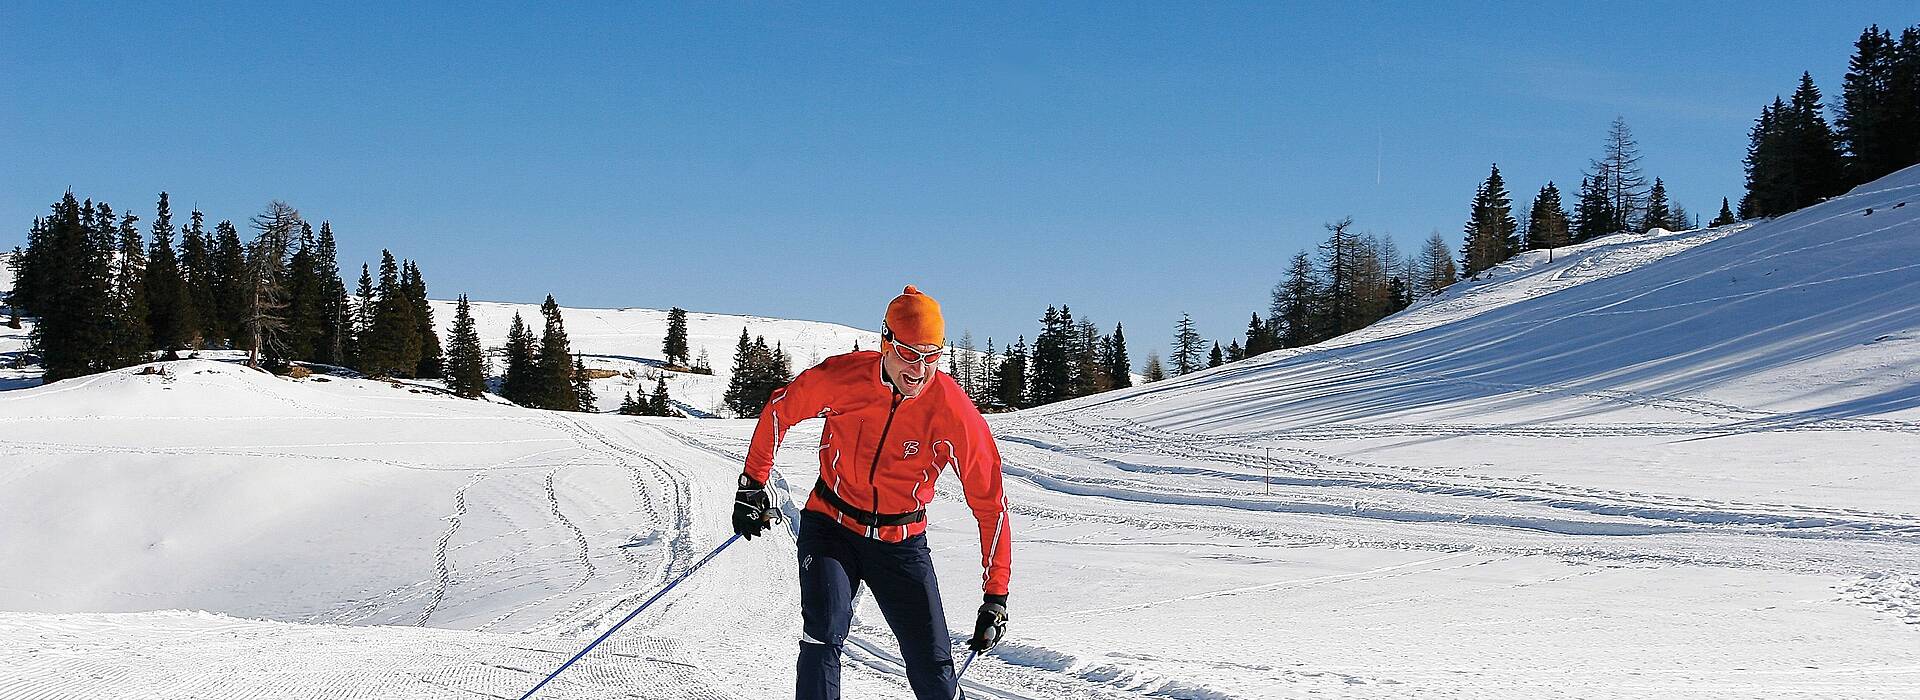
169,314
363,310
1815,158
1878,118
987,376
1119,368
1490,230
1257,337
197,265
631,405
1235,353
1658,215
303,296
334,345
229,284
1726,215
517,382
466,363
431,364
132,336
391,347
553,376
1011,389
1187,342
1593,216
675,347
583,396
66,274
660,403
1547,221
1296,308
740,383
1216,358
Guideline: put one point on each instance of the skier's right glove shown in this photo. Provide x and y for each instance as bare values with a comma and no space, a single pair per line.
753,509
992,624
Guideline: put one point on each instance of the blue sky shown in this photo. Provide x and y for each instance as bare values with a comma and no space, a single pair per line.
1133,161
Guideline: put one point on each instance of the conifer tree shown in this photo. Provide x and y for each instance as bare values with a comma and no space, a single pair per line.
229,284
1187,342
1216,358
1050,371
631,404
1618,178
1593,215
431,363
466,363
66,278
1339,300
1547,221
1258,337
1658,215
1878,118
169,314
1153,372
987,376
583,396
303,296
1490,229
197,266
739,395
1119,368
334,345
1235,353
660,403
518,383
675,347
1726,214
1296,301
960,364
391,347
1012,374
1436,266
265,285
553,376
363,307
132,336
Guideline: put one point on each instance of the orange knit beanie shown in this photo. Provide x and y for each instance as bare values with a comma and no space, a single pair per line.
914,318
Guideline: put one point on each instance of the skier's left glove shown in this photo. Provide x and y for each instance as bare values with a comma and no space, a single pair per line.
992,625
753,509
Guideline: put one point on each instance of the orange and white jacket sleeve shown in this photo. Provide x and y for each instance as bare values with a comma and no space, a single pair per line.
795,402
980,479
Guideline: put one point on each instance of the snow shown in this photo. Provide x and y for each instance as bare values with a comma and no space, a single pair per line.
630,340
1673,464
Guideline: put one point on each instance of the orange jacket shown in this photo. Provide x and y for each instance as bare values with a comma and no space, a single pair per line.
893,474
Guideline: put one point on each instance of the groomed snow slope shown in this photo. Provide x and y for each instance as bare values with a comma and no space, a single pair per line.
1659,466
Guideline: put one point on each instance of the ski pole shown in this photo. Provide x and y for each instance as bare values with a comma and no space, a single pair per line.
636,612
957,692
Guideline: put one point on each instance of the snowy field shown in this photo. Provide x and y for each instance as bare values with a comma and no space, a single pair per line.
1668,465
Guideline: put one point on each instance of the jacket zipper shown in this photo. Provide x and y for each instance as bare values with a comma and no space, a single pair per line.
874,470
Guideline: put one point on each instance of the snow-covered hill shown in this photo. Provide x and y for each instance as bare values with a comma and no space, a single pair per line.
627,340
1658,466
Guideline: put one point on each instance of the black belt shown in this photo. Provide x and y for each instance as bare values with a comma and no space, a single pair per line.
867,518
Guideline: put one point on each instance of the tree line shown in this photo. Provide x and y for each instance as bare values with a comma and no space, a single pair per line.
110,295
1795,157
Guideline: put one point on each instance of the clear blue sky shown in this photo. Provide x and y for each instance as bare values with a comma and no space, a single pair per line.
1133,161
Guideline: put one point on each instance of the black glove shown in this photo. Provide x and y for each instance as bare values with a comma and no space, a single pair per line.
753,509
992,624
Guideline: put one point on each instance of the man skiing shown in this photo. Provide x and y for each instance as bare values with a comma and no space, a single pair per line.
894,422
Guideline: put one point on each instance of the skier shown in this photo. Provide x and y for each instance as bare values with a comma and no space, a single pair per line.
893,423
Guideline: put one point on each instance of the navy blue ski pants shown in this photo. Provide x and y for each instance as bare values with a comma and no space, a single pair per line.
834,561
